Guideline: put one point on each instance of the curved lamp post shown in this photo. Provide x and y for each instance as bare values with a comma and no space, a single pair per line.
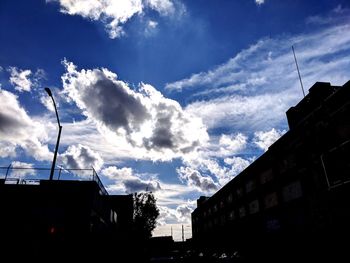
58,137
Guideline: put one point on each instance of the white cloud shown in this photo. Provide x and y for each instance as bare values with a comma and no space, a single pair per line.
25,80
21,173
237,164
254,112
339,14
81,157
176,229
264,139
253,90
164,7
231,144
154,126
151,28
116,173
152,24
20,79
268,65
125,180
194,178
17,129
259,2
114,14
7,149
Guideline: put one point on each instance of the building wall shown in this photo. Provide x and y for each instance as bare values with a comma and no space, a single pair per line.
62,215
297,188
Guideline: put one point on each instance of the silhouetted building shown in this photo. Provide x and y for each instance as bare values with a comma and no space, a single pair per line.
63,215
296,195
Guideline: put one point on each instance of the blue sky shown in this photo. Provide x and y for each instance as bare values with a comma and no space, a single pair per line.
174,96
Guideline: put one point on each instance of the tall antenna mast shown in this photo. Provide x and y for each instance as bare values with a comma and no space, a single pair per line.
296,63
171,231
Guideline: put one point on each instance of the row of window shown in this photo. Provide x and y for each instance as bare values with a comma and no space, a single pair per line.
289,192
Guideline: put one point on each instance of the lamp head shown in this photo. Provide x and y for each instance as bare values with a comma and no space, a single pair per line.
48,92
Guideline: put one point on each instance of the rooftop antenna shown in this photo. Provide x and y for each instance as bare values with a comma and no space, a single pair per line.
296,63
183,236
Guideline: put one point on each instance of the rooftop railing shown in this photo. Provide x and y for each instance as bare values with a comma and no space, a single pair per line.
33,175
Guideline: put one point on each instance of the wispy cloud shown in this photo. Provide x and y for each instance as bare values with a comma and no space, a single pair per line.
268,64
24,79
20,79
253,90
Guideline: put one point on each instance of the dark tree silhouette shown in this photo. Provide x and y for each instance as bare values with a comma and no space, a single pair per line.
145,214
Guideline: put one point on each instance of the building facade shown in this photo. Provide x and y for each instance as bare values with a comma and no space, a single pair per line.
69,216
297,191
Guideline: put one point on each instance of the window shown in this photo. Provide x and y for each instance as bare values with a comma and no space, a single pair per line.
266,176
222,204
336,164
216,221
254,206
231,215
250,186
292,191
113,216
230,198
239,192
271,200
272,224
241,212
222,220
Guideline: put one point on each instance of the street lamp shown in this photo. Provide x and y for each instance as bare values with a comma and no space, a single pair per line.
58,137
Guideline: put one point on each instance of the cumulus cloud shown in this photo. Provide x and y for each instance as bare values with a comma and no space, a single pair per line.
81,157
127,181
137,185
264,139
147,120
184,211
7,149
179,214
220,170
20,79
17,129
231,144
114,14
171,220
194,178
237,164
